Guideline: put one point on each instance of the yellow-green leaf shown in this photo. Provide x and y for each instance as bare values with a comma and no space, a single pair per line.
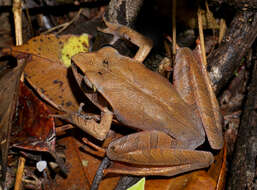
75,45
140,185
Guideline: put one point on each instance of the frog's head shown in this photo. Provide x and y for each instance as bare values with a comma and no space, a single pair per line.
94,61
87,67
84,64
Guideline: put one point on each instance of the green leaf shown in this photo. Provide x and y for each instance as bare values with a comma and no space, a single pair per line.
140,185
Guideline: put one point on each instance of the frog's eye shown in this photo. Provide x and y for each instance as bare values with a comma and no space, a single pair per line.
105,62
106,45
87,87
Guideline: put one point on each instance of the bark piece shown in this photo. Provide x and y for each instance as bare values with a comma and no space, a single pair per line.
237,41
239,4
123,11
243,167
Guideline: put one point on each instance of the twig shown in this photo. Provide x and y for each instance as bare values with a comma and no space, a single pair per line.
17,13
29,19
64,25
222,29
210,18
200,25
19,173
60,130
99,174
174,27
98,150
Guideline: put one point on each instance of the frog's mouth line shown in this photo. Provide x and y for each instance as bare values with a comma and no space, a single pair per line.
88,88
83,83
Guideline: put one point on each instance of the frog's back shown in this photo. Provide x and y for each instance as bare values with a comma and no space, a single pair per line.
143,99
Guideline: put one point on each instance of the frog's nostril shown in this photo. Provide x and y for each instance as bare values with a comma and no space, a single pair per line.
113,148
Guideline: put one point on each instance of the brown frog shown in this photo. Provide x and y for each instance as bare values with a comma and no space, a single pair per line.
173,119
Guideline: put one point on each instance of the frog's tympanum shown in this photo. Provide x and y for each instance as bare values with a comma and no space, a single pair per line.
173,119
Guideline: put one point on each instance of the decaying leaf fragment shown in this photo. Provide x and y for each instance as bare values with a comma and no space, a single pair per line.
34,128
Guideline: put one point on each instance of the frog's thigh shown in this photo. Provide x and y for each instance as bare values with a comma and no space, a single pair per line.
158,150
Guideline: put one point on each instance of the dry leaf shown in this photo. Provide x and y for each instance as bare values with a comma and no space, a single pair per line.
82,168
9,80
46,71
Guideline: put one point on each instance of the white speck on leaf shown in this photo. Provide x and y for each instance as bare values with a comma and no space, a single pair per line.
41,165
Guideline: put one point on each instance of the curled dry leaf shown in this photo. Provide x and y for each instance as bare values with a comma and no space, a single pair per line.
47,69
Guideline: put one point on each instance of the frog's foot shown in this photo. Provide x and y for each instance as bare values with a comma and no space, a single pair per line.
124,32
89,124
155,153
61,129
98,151
139,170
165,67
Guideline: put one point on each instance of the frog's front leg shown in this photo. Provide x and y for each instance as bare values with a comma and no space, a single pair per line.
158,152
90,126
119,31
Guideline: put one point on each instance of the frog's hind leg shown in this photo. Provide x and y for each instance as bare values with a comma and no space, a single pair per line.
119,31
192,82
155,153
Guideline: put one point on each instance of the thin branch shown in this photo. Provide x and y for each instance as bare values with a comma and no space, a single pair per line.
64,26
200,25
99,174
19,174
174,27
222,29
17,13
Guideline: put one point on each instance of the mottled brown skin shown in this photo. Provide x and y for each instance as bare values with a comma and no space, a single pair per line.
173,119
